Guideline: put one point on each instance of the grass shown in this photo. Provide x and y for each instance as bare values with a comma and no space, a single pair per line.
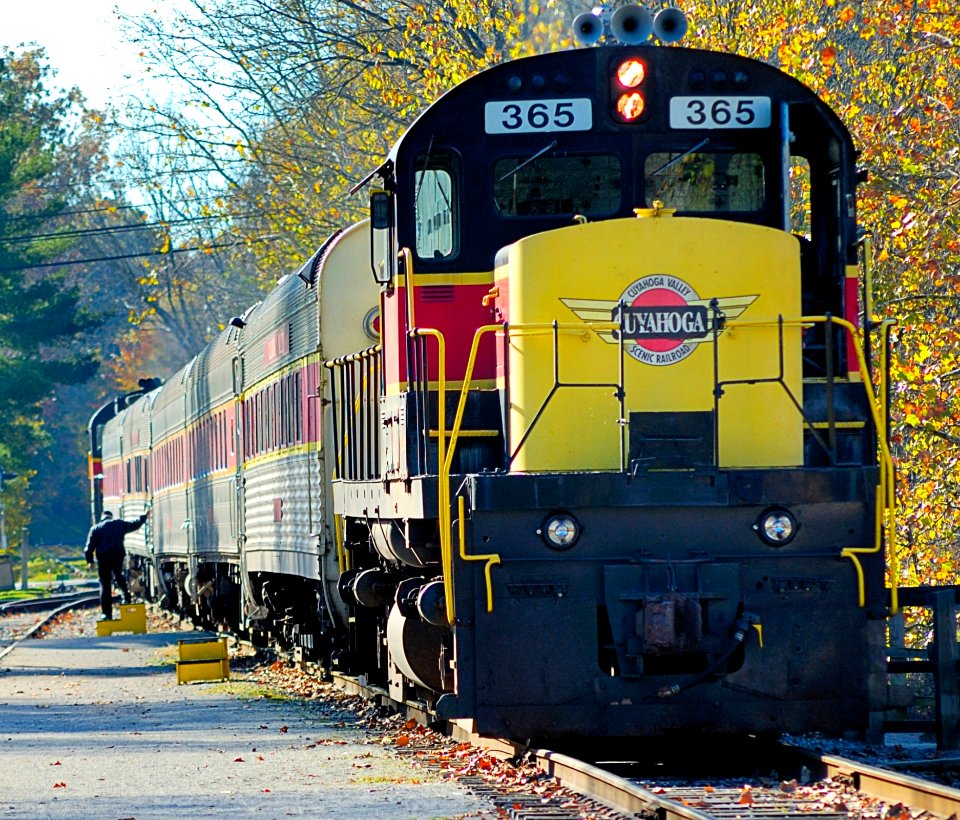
48,565
247,690
19,594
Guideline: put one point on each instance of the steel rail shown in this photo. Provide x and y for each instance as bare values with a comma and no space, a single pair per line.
871,781
615,791
39,604
89,600
893,787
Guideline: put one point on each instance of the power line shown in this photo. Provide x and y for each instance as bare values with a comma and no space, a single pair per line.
76,211
116,228
131,255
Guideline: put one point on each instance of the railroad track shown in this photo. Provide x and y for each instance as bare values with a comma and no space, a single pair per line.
613,785
20,623
44,603
847,781
835,783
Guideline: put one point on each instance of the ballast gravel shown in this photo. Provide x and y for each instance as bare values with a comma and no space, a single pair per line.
95,727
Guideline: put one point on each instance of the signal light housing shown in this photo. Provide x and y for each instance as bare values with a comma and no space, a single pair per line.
628,89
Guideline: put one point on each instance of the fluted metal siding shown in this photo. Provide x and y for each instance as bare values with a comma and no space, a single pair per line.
168,408
137,425
282,546
137,542
112,446
347,294
292,304
213,506
168,517
210,381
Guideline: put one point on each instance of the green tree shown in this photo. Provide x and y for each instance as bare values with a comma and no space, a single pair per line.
41,321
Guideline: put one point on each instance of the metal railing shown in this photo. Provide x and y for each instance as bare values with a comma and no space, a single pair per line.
357,382
355,390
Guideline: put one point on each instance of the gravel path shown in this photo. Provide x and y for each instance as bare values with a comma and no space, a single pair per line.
98,728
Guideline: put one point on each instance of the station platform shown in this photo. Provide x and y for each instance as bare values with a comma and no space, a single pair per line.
97,726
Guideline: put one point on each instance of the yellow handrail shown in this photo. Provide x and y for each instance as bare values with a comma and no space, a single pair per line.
342,561
491,558
445,531
444,477
886,498
443,490
886,522
407,257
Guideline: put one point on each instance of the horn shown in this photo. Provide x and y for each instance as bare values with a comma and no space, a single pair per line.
631,25
670,25
587,28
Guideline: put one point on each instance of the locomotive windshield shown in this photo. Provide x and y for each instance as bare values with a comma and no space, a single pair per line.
585,184
706,181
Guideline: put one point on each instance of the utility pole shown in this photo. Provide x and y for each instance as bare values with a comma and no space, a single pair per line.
3,512
25,557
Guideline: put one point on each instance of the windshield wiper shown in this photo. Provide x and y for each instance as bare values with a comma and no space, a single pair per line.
677,159
527,161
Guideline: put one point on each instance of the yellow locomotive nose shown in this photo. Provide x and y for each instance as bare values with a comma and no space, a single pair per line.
701,331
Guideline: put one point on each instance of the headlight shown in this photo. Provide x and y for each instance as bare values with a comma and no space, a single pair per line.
776,527
560,531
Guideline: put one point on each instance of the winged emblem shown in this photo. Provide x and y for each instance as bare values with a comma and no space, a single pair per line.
603,310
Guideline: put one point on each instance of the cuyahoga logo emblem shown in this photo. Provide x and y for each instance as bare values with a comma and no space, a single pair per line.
662,318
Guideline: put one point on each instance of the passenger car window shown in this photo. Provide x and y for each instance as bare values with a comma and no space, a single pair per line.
705,181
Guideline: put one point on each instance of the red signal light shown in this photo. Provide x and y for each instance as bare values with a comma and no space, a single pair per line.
630,73
630,106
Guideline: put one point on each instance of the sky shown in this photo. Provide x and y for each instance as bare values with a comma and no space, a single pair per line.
83,40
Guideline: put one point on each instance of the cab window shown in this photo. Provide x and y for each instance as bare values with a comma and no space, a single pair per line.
436,208
588,184
705,181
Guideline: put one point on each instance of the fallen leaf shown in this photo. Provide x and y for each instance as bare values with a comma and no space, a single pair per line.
403,740
238,760
284,730
60,785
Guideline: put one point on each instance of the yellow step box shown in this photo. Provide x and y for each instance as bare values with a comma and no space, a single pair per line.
133,618
202,660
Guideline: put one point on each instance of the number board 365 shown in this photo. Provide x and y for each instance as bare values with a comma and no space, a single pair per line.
720,112
538,116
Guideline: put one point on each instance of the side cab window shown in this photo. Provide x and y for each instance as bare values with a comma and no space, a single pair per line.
436,206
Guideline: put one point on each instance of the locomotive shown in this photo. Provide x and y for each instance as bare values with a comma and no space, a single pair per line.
576,435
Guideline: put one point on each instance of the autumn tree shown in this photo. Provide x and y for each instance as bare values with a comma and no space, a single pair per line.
891,70
292,102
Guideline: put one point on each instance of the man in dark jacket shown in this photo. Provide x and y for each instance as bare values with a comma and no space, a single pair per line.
106,542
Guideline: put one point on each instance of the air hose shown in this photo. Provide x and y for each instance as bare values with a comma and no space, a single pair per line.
740,629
